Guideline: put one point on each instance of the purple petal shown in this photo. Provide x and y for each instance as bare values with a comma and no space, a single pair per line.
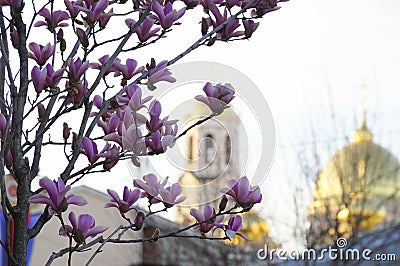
85,222
76,200
114,195
96,230
50,187
72,219
197,215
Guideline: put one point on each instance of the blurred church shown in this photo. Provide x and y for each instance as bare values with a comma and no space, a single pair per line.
356,192
211,153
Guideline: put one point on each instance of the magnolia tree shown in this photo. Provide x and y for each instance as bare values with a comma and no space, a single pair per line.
49,78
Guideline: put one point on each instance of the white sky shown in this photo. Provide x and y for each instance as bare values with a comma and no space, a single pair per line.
301,56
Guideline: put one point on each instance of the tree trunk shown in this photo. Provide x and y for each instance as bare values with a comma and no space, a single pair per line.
21,165
21,224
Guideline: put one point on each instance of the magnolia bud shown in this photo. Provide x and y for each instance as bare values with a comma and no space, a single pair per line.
9,159
139,220
63,45
66,131
3,124
155,235
151,65
204,26
82,37
74,139
41,111
222,204
60,35
211,41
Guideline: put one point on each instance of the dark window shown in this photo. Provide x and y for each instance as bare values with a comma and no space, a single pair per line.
209,147
228,149
190,152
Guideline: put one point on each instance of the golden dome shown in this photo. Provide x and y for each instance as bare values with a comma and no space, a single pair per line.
363,134
360,178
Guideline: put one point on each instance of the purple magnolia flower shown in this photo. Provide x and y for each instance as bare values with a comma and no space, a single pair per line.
103,21
132,139
58,16
132,96
229,31
166,15
53,77
41,53
103,60
39,78
82,37
128,70
249,27
217,97
98,103
57,200
111,155
170,129
205,218
218,17
89,148
170,194
71,7
243,193
3,125
155,123
129,198
76,69
139,220
158,143
82,228
76,91
110,125
46,77
94,10
265,6
150,186
13,3
144,31
159,73
234,225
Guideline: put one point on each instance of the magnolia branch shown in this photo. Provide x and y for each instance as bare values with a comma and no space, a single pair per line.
154,238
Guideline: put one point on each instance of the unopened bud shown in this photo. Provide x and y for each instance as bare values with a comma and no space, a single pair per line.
66,131
74,140
139,220
82,37
60,35
41,111
222,204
